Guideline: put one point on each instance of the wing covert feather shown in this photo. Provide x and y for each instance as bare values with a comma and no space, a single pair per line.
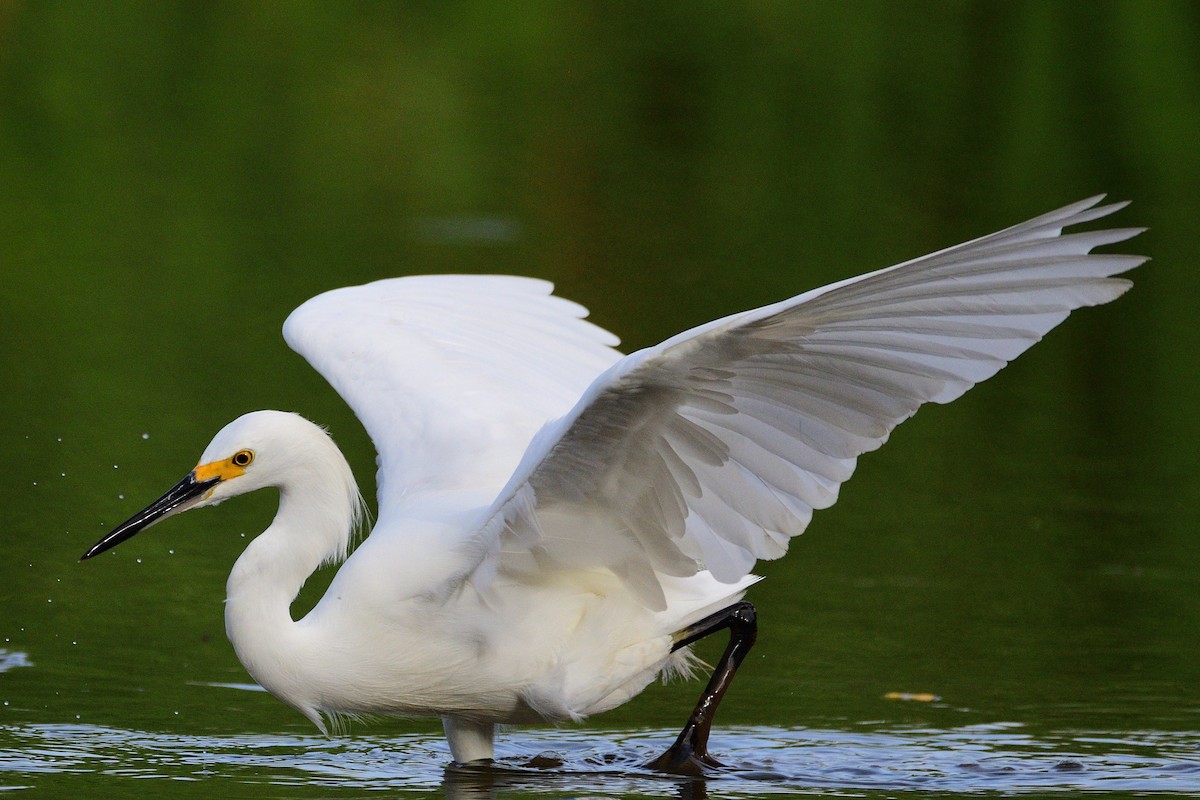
451,375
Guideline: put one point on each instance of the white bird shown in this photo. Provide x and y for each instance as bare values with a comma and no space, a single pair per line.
558,522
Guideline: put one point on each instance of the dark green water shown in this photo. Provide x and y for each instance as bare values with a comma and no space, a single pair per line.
176,177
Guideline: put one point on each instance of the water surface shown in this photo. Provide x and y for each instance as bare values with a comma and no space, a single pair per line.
867,760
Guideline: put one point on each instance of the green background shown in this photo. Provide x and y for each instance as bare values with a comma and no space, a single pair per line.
175,177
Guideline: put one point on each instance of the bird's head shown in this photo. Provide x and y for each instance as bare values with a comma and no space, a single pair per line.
249,453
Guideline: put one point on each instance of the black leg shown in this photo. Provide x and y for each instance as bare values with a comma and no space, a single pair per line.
689,755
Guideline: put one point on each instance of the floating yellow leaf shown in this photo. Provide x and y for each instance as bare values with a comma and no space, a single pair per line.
912,697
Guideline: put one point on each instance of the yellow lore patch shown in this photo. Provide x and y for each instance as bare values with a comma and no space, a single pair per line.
223,470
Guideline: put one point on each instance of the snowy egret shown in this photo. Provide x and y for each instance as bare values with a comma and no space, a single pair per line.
558,522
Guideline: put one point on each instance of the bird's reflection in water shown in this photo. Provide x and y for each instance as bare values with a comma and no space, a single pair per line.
549,772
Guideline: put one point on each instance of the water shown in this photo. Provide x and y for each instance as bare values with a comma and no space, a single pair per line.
175,178
865,760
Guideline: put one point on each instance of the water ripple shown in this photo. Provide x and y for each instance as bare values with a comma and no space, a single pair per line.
11,659
999,758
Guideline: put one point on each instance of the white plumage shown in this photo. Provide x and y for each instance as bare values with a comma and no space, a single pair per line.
551,513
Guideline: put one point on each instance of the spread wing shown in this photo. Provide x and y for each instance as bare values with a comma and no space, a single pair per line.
451,375
713,449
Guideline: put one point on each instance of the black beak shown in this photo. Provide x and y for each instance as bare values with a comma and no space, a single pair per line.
177,498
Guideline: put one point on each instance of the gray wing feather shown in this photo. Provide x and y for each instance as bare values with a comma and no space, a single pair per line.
712,449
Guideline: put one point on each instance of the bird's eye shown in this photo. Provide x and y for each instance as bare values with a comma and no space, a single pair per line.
242,458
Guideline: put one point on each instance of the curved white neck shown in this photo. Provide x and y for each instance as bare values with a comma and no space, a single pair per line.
311,527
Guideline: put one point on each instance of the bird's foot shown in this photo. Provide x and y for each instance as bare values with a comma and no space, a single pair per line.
545,761
685,758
